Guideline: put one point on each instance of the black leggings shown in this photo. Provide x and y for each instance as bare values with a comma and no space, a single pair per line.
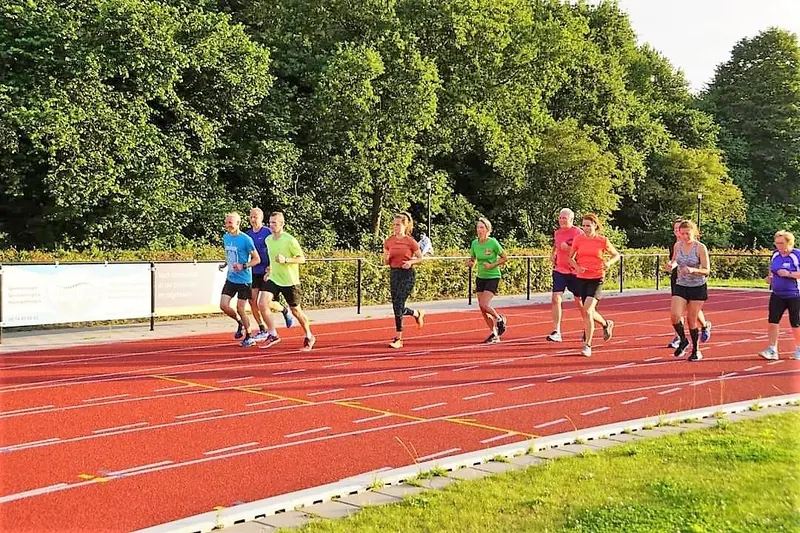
401,284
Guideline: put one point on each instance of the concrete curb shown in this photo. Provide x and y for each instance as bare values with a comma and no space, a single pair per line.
377,488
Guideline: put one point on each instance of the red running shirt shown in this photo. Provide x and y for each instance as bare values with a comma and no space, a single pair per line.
590,254
401,249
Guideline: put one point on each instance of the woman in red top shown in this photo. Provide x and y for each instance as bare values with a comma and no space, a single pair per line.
591,255
401,252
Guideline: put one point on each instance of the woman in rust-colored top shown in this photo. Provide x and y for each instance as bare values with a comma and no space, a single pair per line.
401,252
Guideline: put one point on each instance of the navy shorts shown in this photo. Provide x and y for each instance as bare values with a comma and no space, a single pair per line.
563,281
258,281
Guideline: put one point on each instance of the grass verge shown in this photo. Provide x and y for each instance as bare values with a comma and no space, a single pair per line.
741,477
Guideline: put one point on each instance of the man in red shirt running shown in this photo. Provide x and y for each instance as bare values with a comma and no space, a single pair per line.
563,274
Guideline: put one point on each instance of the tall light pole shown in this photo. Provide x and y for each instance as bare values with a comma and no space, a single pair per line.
699,203
430,232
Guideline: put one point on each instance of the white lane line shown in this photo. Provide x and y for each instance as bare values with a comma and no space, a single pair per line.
34,492
643,338
465,368
337,365
429,406
289,372
384,382
15,447
730,374
438,454
651,359
562,378
264,402
775,362
106,398
230,448
379,359
429,374
595,411
319,393
231,380
135,468
499,437
669,391
306,432
624,365
701,382
596,371
501,361
724,344
189,415
371,418
17,411
752,368
484,395
551,423
639,399
178,387
128,426
420,353
520,387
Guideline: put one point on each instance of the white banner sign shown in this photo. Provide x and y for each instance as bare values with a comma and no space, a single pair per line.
55,294
188,288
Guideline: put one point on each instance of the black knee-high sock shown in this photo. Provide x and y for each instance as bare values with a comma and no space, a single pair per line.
679,330
695,333
407,311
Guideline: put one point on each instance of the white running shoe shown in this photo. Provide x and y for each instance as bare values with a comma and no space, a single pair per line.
586,351
771,354
555,336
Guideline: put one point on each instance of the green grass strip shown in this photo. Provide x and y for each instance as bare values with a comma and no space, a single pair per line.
741,477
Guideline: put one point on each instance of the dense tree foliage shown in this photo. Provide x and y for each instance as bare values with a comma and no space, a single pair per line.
139,123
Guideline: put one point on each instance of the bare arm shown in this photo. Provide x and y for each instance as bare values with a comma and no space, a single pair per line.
613,254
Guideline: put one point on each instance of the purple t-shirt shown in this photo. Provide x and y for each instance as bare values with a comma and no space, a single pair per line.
260,240
785,287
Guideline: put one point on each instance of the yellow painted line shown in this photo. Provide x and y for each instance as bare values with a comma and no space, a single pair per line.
352,405
96,479
85,476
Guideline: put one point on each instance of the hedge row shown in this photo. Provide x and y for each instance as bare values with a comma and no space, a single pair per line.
333,283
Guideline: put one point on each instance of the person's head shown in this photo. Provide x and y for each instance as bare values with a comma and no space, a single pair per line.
402,224
256,218
276,222
232,222
590,224
784,241
676,227
687,231
565,218
483,228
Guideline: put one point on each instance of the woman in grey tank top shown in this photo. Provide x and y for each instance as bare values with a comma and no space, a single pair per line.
690,259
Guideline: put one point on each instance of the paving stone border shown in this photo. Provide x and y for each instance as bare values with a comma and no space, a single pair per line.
348,496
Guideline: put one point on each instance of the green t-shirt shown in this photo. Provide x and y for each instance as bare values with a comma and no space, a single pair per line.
487,252
283,274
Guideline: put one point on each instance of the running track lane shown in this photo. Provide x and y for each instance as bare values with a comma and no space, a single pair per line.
125,436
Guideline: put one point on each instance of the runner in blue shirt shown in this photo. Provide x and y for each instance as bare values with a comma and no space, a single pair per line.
240,257
784,279
261,312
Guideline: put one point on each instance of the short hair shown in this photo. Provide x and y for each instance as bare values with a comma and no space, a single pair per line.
788,235
485,222
569,212
591,217
234,215
407,221
258,211
277,214
688,224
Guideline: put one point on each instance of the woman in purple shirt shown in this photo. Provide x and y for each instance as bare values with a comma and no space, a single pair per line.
784,279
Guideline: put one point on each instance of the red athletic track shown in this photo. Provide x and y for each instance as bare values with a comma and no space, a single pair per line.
351,406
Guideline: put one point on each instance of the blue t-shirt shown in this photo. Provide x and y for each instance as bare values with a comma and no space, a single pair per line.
785,287
237,250
260,240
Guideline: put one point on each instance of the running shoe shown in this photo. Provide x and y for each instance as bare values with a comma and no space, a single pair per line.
239,332
248,342
608,330
396,343
308,343
683,345
260,336
674,343
555,336
420,318
797,354
270,340
492,339
696,356
287,317
501,326
705,333
772,354
586,351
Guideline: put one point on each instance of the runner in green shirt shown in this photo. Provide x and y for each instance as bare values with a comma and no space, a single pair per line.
488,255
